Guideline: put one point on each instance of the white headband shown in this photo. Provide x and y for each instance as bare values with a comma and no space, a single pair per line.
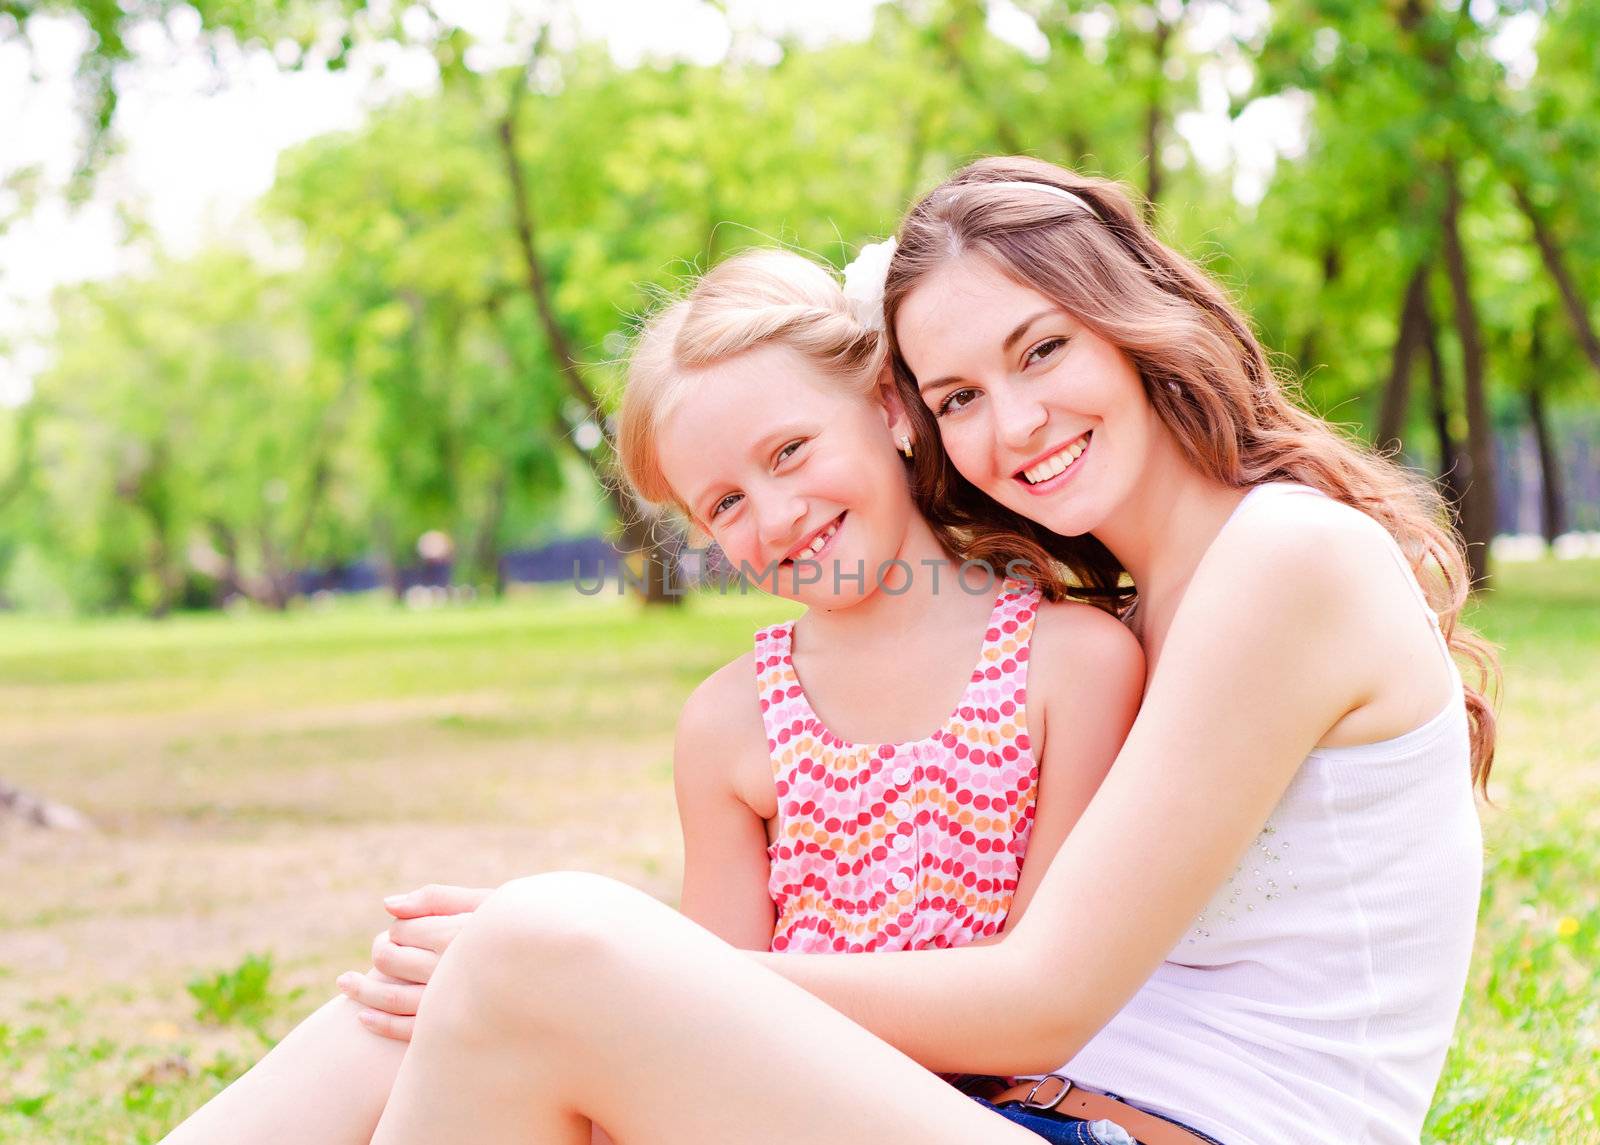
1028,184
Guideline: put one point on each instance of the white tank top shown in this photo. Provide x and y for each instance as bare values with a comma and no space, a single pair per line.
1313,1000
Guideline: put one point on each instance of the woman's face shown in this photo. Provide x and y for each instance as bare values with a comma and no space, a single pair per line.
794,477
1035,410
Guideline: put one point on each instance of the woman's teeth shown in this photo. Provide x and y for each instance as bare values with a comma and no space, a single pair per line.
818,542
1056,462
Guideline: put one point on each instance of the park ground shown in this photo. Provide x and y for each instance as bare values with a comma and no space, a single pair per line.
258,782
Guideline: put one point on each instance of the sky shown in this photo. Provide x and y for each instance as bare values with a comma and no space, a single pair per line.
199,140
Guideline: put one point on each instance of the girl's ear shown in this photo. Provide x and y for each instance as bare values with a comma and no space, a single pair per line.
894,407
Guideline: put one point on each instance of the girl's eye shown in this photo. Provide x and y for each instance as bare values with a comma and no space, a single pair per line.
1043,350
723,505
788,451
957,400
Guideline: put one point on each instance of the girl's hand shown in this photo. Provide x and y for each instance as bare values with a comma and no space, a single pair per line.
404,956
389,1005
436,899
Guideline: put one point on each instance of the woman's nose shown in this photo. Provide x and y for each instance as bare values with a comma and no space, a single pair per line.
1019,416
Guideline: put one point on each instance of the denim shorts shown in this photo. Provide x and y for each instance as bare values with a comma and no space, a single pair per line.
1059,1129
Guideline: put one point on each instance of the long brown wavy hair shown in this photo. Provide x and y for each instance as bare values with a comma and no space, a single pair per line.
1230,413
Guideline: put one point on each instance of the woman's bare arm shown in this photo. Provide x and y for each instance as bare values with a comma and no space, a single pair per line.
1269,649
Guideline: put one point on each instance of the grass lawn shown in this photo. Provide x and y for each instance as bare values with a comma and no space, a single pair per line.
260,781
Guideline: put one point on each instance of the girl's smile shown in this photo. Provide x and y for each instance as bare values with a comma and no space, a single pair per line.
817,543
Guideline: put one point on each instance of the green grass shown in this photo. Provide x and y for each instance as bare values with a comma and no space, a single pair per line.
260,780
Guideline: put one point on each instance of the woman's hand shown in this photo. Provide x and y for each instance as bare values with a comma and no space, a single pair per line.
404,956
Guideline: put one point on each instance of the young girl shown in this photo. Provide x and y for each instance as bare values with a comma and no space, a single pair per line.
865,778
1261,924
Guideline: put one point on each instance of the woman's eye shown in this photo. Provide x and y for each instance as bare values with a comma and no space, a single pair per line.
956,400
1043,350
723,505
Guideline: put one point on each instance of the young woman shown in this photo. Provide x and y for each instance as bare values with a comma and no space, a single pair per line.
1259,927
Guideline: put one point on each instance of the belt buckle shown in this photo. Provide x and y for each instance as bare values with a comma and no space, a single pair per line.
1033,1101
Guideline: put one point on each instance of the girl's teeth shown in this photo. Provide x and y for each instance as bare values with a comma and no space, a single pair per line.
1055,464
816,546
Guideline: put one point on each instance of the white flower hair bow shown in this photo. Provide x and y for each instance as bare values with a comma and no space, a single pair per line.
863,282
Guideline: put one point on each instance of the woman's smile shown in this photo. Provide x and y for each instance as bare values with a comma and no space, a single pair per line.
1056,468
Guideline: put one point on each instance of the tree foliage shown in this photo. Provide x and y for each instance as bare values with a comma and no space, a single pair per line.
442,353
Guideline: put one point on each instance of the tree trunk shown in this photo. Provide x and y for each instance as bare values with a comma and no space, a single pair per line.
1310,346
324,436
639,521
1155,118
228,579
1556,264
277,576
1450,463
1412,329
1552,499
386,560
485,551
162,571
964,16
1478,502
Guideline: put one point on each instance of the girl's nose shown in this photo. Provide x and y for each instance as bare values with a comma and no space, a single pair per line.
779,516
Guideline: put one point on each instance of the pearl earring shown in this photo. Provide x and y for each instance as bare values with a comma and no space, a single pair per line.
905,444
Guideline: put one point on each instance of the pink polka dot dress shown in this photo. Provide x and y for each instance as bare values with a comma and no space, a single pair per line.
902,846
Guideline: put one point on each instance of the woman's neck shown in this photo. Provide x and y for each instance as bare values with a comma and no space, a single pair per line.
1161,532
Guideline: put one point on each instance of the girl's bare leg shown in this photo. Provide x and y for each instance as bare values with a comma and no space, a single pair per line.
571,998
324,1084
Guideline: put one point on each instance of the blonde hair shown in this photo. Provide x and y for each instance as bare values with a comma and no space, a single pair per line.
755,298
1085,246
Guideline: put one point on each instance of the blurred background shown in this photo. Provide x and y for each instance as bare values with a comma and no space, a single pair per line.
311,322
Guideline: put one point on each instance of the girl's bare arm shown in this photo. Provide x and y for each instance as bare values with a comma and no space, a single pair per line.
725,861
1085,678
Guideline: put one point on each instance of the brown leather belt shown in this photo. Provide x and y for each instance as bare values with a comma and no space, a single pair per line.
1055,1094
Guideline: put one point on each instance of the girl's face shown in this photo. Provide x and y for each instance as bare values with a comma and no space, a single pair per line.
795,478
1035,410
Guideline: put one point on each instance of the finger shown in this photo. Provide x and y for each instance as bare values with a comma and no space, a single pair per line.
407,963
378,993
387,1025
432,933
436,898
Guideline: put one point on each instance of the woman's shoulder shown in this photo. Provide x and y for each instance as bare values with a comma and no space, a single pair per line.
1303,537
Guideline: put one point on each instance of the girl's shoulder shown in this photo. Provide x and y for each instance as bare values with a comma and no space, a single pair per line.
1078,630
721,719
1079,649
